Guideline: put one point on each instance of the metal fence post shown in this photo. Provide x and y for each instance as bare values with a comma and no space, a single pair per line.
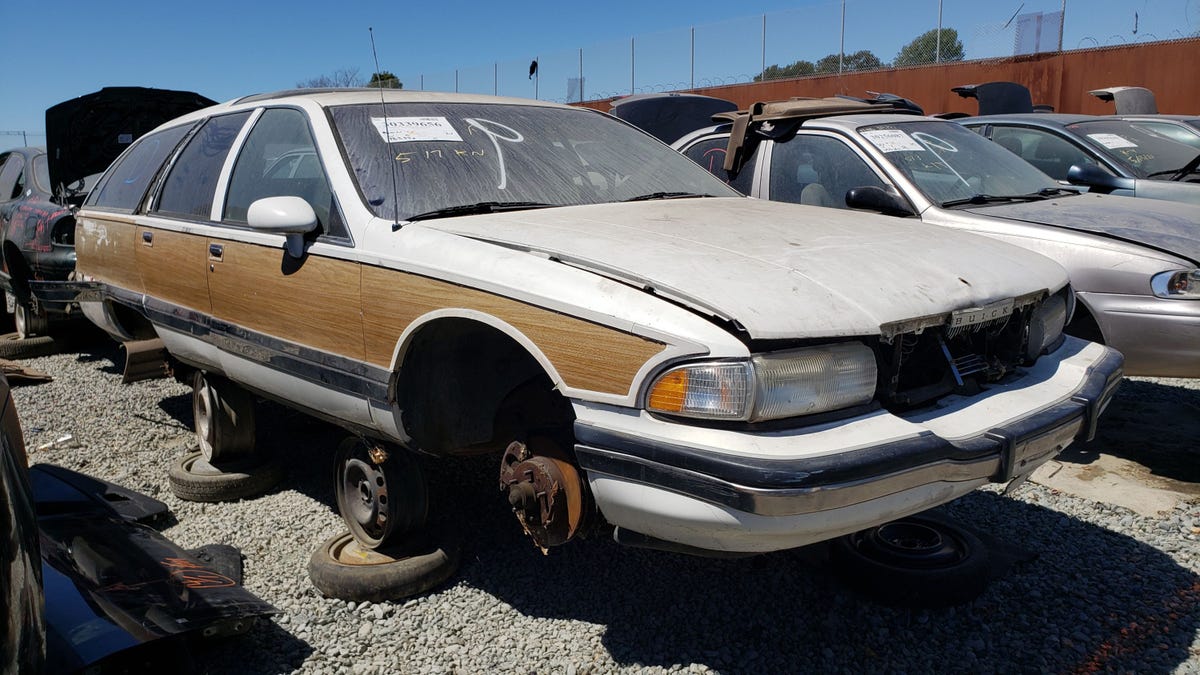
937,51
842,43
692,58
763,72
1062,21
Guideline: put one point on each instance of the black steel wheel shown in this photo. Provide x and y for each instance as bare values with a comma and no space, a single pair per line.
342,568
922,560
381,493
223,415
194,479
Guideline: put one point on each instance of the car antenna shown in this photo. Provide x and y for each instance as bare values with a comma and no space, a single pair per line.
387,133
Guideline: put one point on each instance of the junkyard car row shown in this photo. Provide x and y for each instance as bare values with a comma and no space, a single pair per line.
646,352
1133,263
642,348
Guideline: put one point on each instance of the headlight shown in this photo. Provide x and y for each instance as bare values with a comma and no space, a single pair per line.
769,386
1047,323
1177,284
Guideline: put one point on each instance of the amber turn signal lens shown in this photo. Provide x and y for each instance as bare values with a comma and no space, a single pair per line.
670,391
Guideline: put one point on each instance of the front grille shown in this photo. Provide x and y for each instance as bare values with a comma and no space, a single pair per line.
924,359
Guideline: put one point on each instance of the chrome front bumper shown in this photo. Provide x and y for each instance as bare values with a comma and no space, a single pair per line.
876,467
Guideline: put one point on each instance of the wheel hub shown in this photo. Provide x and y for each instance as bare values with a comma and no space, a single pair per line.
546,493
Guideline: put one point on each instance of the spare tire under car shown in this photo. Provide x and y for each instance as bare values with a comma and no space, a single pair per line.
924,560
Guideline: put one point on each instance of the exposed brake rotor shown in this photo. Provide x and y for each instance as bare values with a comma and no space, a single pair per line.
545,491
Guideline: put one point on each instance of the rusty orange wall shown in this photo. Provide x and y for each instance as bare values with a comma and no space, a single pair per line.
1061,79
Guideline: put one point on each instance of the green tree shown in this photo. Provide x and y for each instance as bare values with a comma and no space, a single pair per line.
796,69
924,49
385,80
860,60
342,77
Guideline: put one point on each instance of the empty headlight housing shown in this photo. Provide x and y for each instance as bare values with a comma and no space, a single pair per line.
769,386
1177,284
1047,323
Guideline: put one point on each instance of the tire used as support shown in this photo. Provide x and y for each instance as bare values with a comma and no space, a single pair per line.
193,478
342,568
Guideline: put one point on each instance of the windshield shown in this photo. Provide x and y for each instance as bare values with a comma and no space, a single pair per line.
438,155
949,162
1137,148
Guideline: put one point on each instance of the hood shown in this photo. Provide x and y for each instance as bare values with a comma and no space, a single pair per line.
1171,227
779,270
84,135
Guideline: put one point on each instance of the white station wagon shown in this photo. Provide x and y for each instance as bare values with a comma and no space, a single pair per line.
645,352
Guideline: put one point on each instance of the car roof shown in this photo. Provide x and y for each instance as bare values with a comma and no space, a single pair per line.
359,95
1153,116
1037,119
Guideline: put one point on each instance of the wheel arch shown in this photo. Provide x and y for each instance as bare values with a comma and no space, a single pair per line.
459,375
18,269
1084,323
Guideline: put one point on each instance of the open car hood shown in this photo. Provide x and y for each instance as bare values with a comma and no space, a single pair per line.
779,270
1170,227
84,135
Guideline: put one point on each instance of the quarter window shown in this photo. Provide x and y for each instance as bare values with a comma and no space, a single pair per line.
124,185
280,159
11,182
192,183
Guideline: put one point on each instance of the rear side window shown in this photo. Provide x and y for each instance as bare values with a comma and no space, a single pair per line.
124,184
710,154
189,188
11,182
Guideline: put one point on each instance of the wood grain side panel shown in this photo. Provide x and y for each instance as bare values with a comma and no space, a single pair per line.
173,267
104,249
314,302
587,355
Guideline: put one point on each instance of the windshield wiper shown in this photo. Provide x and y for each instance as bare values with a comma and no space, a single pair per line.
1180,173
478,208
1044,193
663,195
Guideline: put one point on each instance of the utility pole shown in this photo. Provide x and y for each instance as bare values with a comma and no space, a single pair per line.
24,140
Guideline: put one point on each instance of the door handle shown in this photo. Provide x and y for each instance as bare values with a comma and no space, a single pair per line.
215,252
147,237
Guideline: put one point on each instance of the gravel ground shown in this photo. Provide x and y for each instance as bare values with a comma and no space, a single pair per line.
1104,589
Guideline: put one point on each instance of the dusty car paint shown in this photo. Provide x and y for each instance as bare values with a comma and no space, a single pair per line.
418,332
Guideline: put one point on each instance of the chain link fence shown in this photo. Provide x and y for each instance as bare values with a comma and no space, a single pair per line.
827,37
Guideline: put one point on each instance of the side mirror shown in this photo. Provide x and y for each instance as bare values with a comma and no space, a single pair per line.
1097,179
290,216
872,198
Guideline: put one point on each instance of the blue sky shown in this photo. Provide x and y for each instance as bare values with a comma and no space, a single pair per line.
224,49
